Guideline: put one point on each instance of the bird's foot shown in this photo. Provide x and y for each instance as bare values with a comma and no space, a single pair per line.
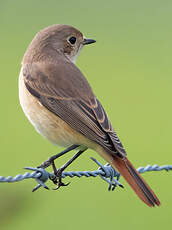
57,180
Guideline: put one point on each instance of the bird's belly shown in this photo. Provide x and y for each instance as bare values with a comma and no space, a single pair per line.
48,124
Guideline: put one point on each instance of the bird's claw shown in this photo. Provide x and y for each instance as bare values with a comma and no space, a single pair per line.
112,187
60,184
57,179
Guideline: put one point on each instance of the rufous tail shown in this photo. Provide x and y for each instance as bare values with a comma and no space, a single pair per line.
137,183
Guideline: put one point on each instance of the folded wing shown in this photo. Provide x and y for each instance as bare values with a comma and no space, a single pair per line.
74,102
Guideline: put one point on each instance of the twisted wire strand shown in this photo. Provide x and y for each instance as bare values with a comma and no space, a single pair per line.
20,177
106,172
150,168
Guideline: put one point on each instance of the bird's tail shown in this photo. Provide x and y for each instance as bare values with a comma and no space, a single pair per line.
137,183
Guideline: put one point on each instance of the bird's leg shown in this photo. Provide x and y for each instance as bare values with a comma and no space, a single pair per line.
58,172
51,160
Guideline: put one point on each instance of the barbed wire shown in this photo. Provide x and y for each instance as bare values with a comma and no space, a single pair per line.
106,172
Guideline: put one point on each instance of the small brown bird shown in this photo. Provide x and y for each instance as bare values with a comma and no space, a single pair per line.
59,102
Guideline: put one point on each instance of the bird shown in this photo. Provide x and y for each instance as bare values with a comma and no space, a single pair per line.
61,105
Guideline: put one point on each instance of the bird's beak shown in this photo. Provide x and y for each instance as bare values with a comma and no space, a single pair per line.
88,41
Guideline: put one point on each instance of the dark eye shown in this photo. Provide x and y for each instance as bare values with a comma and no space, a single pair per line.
72,40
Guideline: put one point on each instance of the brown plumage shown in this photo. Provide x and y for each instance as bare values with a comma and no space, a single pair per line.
136,182
51,81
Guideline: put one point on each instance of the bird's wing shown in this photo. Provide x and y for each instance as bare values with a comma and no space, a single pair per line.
71,98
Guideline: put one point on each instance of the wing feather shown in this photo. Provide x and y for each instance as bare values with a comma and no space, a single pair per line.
82,111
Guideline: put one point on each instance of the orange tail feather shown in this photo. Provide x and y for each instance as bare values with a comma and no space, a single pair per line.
137,183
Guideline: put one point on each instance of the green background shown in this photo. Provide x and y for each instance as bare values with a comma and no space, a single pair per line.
130,69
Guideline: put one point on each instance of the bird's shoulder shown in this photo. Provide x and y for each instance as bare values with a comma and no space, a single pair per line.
57,76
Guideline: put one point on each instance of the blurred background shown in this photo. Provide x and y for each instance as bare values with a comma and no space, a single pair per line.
130,69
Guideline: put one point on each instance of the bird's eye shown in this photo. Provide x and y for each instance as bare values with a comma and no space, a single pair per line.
72,40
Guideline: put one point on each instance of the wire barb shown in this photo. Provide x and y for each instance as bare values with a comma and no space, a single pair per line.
106,172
